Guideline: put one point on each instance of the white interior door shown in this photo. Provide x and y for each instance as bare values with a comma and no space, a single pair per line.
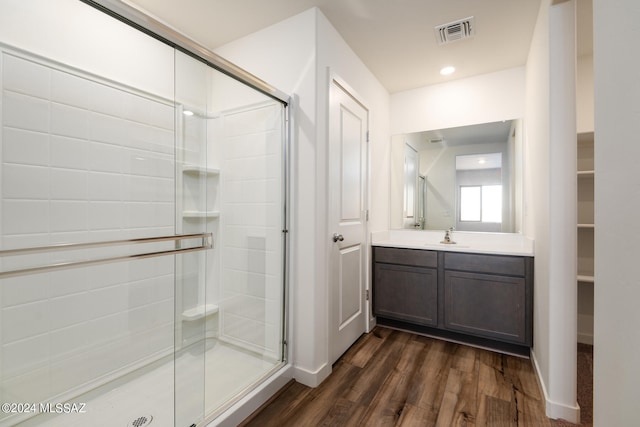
348,130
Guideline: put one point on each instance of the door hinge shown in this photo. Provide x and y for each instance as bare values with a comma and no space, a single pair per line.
367,136
366,295
366,215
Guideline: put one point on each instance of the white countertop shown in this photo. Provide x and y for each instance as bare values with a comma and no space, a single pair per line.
466,241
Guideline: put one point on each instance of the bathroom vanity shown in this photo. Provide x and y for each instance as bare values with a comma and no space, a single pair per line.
477,291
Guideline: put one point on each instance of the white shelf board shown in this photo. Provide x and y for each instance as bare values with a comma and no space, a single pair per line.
586,226
200,311
586,174
200,214
199,170
585,278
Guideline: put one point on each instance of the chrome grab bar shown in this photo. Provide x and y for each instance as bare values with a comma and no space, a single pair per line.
207,243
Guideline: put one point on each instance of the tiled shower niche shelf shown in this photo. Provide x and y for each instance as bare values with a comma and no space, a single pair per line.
200,214
199,312
199,170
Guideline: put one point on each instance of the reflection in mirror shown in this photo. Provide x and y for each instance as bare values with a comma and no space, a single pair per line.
410,185
468,177
479,186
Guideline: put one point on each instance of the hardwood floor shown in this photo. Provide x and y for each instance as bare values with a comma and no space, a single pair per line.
395,378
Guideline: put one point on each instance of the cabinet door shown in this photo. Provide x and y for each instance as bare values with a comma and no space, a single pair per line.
406,293
486,305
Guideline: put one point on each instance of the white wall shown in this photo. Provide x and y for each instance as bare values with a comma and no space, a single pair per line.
295,56
481,99
617,186
85,46
251,199
550,191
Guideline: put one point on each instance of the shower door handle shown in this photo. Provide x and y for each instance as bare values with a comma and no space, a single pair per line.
337,237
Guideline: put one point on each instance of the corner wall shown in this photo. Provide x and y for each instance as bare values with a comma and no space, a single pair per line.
550,191
617,190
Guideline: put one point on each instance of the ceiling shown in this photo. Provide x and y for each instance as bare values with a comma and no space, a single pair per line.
395,39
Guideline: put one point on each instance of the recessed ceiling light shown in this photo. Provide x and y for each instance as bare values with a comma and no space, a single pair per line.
447,71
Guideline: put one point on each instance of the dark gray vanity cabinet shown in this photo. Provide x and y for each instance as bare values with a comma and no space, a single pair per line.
488,296
482,299
406,285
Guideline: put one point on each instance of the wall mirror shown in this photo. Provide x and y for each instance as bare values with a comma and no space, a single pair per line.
468,177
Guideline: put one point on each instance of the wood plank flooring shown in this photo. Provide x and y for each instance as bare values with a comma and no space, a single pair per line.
395,378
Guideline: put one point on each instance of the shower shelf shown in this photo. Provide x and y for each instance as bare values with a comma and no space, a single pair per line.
200,311
200,214
199,170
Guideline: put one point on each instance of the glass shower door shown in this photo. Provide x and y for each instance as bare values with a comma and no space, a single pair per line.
231,155
154,188
88,248
194,214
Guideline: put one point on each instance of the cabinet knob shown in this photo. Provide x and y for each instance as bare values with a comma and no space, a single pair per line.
337,237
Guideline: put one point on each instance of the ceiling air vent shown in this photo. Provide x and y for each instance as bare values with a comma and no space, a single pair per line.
456,30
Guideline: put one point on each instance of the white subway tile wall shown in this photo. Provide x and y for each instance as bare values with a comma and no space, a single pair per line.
81,160
251,229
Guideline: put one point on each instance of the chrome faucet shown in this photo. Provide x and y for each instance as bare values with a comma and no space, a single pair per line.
447,237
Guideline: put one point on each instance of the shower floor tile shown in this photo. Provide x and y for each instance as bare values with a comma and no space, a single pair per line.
150,391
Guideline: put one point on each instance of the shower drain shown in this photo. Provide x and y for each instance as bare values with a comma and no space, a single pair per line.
142,421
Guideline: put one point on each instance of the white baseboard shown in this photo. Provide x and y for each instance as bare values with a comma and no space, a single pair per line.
555,410
312,378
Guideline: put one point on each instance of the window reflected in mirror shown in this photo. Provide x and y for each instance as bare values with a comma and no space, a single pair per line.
479,181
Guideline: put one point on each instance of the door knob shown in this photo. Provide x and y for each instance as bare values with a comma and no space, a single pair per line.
337,237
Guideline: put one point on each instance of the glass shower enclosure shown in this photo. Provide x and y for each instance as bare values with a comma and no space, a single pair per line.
142,230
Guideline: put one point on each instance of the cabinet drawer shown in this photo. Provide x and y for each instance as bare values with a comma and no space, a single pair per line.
417,257
493,264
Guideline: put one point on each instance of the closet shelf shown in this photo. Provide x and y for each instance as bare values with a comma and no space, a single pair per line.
586,278
586,225
200,214
586,174
199,312
199,170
